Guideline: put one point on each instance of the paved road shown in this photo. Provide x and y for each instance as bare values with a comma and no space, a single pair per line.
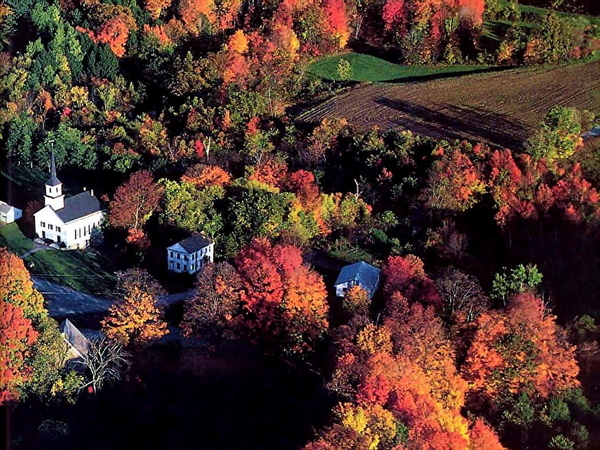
62,301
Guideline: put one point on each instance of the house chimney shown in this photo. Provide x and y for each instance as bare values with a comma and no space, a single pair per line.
92,192
84,189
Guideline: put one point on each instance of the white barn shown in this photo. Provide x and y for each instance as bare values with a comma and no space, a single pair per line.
70,220
9,213
191,254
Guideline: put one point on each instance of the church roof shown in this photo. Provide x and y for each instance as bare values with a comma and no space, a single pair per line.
53,181
194,243
78,206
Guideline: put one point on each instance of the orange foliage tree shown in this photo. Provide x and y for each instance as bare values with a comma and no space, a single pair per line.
16,286
135,318
202,175
191,12
156,7
283,301
519,350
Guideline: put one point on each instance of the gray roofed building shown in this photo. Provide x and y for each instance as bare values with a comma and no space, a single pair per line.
5,208
191,254
195,243
9,213
78,343
78,206
358,274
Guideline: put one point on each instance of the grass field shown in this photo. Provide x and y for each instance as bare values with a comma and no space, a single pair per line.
85,271
12,238
499,108
371,68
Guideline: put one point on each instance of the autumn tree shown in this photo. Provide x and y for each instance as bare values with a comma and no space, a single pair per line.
454,183
283,301
462,293
520,350
559,134
135,318
156,7
134,201
17,288
217,301
16,338
406,274
201,175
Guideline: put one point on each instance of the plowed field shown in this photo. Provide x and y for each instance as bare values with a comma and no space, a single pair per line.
500,108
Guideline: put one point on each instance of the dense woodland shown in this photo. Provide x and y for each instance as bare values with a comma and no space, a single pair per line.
180,114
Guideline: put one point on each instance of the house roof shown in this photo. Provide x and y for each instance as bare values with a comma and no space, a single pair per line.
78,206
593,133
74,337
53,181
5,207
362,273
194,243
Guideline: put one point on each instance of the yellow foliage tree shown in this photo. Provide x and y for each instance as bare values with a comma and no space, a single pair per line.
135,318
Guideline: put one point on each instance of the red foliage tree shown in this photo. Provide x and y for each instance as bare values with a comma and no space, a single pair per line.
135,201
337,21
283,301
406,274
16,338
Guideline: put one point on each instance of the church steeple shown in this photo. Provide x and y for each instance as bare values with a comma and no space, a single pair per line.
53,181
54,196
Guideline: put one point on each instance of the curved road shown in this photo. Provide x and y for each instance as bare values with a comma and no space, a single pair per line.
63,302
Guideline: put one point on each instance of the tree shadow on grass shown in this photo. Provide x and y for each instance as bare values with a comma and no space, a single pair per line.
456,122
452,74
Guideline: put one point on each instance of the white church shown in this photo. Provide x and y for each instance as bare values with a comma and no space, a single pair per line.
70,220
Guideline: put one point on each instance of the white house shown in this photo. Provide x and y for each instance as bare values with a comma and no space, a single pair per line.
191,254
8,213
70,220
358,274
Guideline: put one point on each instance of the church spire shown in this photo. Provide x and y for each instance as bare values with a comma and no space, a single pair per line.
53,181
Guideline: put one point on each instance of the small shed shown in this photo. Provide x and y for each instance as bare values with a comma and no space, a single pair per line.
9,213
358,274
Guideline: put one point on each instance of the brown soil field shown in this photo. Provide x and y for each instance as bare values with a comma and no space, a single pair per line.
499,108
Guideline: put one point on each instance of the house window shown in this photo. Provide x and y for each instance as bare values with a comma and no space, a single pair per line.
84,231
58,229
50,227
185,258
171,254
178,266
43,224
178,257
185,267
192,267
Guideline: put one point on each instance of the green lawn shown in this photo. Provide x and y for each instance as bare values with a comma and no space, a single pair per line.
83,270
371,68
12,238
